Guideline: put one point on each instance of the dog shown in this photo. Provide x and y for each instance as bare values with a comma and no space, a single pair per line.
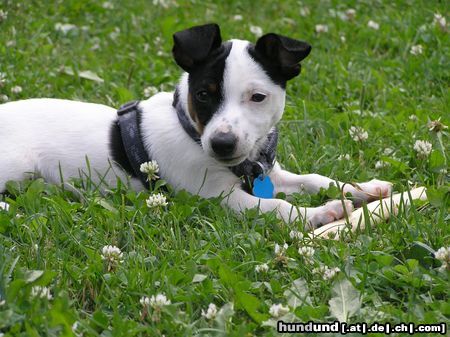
214,136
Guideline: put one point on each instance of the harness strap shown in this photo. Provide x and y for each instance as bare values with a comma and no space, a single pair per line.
128,121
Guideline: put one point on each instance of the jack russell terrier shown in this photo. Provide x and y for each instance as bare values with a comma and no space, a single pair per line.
214,136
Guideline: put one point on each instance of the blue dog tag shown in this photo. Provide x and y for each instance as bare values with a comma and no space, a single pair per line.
263,187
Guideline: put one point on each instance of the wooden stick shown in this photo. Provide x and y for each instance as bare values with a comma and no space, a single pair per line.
379,211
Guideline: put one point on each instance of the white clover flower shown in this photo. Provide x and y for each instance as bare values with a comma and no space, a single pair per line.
256,30
96,43
145,301
295,235
326,272
75,327
440,21
443,255
156,200
163,3
381,164
278,310
111,252
65,27
280,250
350,14
107,5
416,50
95,46
112,255
304,11
306,251
413,117
238,17
4,98
358,134
150,168
4,206
3,15
388,151
436,126
422,28
423,148
344,157
114,34
211,312
343,38
17,89
321,28
262,268
158,40
155,302
330,273
41,292
333,13
150,91
2,79
374,25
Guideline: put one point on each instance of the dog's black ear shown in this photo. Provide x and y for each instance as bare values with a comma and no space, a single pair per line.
283,52
194,45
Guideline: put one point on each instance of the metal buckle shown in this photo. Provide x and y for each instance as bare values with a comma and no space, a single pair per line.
127,107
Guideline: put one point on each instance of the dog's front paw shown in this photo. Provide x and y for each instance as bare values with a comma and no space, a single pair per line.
368,191
287,212
329,212
377,188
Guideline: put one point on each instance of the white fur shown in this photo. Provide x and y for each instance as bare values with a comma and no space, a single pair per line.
49,136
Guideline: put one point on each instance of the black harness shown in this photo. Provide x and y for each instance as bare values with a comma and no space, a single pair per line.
247,171
128,122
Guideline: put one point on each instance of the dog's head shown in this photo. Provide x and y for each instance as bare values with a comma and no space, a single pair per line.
234,91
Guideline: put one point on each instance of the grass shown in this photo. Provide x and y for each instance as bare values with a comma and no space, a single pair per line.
195,252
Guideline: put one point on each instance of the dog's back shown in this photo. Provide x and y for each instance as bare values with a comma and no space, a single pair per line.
42,135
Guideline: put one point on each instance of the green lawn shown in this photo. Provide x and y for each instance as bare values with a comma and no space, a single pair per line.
193,251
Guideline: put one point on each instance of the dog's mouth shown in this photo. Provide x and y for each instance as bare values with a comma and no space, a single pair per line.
231,161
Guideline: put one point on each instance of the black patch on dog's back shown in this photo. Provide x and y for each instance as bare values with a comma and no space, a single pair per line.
209,78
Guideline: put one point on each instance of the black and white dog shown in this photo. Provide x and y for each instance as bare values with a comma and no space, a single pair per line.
215,136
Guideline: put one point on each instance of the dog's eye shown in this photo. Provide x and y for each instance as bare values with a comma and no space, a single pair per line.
258,97
202,96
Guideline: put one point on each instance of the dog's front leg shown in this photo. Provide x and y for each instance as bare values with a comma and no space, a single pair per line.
240,200
289,183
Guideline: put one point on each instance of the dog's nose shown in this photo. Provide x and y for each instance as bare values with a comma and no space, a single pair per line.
223,143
